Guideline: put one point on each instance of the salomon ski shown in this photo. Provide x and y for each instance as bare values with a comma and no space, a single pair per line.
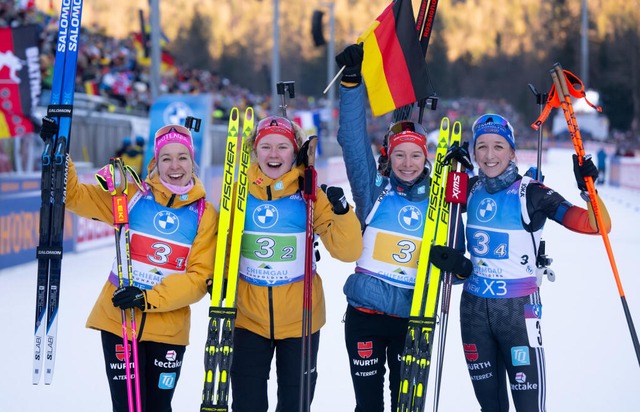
53,186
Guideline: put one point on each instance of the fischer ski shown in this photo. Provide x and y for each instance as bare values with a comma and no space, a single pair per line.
416,356
455,197
222,311
53,187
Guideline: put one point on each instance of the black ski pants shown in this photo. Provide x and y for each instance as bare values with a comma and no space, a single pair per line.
502,339
252,356
374,340
159,366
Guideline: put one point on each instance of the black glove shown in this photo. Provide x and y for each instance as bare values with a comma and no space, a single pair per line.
302,158
587,169
461,154
337,199
451,260
48,129
128,297
351,57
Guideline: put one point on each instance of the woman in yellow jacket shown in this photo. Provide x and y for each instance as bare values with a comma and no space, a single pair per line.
271,271
173,231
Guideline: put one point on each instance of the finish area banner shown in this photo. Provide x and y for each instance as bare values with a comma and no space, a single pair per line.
20,79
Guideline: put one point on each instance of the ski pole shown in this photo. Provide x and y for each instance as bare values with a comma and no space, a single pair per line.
309,195
562,84
125,172
106,177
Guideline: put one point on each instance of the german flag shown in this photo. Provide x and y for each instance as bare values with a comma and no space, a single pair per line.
394,68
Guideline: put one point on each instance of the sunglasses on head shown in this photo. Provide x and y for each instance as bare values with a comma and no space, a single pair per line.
404,126
274,123
177,128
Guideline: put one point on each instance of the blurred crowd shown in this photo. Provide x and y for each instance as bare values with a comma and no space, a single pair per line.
116,70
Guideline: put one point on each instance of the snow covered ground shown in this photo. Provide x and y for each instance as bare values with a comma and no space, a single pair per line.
591,364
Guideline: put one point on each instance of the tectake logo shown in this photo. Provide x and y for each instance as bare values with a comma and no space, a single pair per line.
265,216
410,218
166,222
171,355
487,209
521,377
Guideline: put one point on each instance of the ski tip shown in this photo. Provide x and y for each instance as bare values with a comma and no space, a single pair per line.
248,113
444,123
235,114
457,127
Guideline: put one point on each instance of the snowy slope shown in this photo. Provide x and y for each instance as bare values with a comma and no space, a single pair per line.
591,362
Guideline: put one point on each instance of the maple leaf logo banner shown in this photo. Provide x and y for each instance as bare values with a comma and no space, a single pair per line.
394,67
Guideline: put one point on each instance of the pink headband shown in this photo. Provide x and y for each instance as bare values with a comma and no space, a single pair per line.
173,134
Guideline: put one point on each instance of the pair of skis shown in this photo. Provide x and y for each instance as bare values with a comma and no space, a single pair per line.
107,178
222,311
416,357
53,189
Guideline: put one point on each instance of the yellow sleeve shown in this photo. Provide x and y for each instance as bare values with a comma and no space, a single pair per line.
340,234
87,200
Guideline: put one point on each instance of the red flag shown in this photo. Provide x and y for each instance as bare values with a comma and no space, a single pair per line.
394,68
19,78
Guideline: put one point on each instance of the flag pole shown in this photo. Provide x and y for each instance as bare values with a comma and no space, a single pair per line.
333,80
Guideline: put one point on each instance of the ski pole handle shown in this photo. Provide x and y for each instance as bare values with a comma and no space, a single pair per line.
310,175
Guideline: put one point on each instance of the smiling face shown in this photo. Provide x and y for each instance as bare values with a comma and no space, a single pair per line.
493,154
407,161
275,155
175,165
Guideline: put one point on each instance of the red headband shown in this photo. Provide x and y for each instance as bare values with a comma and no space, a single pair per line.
408,136
276,125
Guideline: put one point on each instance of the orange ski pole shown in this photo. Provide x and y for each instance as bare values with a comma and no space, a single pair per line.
562,85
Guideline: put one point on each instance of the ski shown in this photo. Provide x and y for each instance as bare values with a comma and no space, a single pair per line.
53,197
222,311
455,197
416,356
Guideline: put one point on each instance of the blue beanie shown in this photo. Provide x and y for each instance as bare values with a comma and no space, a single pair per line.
493,124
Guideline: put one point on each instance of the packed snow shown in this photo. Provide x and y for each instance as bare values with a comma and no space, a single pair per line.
591,363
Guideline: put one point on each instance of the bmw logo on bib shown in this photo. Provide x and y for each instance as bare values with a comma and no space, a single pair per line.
410,218
166,222
486,210
265,216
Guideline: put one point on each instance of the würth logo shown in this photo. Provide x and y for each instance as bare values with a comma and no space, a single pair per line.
365,349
